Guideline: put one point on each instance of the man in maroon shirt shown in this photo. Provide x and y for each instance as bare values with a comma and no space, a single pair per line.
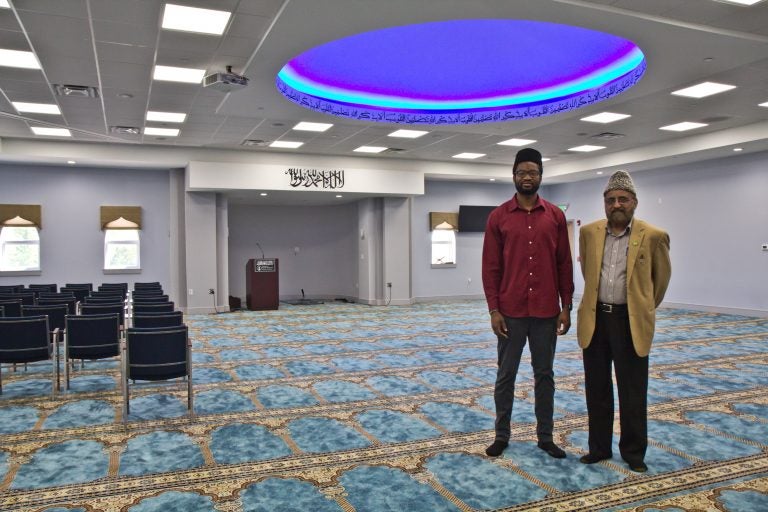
527,275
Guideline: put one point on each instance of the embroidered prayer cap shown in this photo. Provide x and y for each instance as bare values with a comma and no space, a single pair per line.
620,180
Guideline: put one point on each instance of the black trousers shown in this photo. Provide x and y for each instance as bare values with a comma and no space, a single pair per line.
612,343
542,335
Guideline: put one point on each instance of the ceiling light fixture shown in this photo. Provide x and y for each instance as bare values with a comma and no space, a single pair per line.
586,148
71,162
605,117
599,173
263,194
682,127
462,72
545,159
37,108
286,144
738,149
54,132
703,90
4,3
763,104
491,179
174,74
339,195
18,59
407,134
167,117
162,132
469,156
742,3
312,127
516,142
193,19
370,149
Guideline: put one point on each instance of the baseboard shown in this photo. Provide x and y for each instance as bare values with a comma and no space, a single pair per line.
205,310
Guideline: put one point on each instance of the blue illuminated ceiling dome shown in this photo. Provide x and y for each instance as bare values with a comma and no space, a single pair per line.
462,72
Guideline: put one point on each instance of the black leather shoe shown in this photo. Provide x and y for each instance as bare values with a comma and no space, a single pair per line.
496,448
592,458
638,467
552,449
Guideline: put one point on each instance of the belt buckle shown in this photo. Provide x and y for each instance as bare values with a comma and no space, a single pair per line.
607,308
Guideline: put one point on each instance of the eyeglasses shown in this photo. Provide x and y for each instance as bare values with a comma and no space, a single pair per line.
527,174
622,200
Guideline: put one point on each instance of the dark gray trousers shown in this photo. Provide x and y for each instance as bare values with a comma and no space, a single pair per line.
542,335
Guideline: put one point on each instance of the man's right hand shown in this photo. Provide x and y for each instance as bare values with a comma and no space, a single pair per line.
498,324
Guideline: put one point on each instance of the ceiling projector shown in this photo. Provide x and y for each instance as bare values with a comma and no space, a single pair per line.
225,82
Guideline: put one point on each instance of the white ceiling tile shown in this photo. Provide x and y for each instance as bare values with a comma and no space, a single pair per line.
71,8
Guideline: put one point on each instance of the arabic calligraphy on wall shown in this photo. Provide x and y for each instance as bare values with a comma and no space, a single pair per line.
316,178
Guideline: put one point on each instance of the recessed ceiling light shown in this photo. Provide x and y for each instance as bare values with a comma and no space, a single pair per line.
370,149
408,134
599,172
163,132
312,127
4,3
56,132
168,117
469,156
339,195
682,127
605,117
744,3
491,179
586,148
703,90
545,159
18,59
125,95
286,144
174,74
263,194
738,149
37,108
515,142
763,104
71,162
193,19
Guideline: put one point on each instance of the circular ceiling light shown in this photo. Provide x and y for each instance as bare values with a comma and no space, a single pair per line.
462,72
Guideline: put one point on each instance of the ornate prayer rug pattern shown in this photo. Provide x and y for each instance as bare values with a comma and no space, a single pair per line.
344,407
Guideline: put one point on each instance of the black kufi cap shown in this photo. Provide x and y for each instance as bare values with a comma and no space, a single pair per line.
528,155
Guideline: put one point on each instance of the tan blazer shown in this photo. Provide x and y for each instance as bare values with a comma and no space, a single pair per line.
648,273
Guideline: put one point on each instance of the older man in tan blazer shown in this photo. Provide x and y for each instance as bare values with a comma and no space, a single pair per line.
626,268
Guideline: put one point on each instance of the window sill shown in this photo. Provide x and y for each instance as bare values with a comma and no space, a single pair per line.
108,271
21,272
444,265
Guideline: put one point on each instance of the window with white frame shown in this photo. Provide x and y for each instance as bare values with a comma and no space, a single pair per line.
19,248
121,249
443,247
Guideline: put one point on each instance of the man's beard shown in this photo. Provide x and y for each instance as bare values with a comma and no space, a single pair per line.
530,191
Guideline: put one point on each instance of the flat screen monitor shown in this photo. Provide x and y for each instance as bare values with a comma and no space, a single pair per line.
472,219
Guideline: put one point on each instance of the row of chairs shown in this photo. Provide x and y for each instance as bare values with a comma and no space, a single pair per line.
98,332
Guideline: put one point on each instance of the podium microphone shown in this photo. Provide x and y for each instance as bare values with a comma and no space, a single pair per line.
262,250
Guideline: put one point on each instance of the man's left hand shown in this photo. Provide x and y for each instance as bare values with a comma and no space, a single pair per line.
563,322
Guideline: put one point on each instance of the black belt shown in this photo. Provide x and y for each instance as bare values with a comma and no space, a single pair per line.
611,308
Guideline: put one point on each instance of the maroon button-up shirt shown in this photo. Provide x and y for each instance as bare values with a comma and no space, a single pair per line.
527,266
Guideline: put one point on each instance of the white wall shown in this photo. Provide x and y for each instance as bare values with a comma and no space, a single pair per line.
72,242
325,265
716,213
465,279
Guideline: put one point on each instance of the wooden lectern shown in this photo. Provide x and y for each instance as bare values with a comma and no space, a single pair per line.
262,287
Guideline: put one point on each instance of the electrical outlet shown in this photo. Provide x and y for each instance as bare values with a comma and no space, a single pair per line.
211,291
765,247
389,285
191,291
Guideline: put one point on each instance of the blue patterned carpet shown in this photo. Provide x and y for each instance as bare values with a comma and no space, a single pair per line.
343,407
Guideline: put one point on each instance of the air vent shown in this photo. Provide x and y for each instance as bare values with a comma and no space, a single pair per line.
125,130
76,91
608,136
254,142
